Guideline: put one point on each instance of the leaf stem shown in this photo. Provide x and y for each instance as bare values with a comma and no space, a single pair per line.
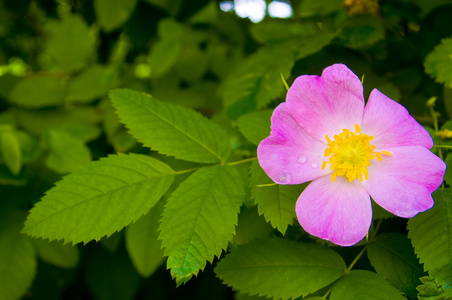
229,164
374,233
240,161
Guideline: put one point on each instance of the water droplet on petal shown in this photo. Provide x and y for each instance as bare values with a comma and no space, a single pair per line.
302,159
284,178
314,166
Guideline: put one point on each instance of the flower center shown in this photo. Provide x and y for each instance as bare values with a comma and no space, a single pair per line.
350,153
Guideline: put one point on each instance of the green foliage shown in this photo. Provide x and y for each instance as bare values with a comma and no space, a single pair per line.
63,256
91,84
38,91
11,151
112,14
280,268
199,219
275,202
255,126
17,257
191,177
255,81
364,285
170,129
430,233
393,258
438,63
104,196
362,31
66,152
142,242
70,44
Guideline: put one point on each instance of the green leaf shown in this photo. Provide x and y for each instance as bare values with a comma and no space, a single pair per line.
70,43
38,91
362,31
280,268
79,122
256,81
255,126
199,219
438,63
111,14
17,258
170,129
392,256
93,83
66,153
431,235
99,198
164,54
63,256
142,241
275,202
11,151
431,289
364,285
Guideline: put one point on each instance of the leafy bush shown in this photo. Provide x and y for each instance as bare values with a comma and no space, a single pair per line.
128,134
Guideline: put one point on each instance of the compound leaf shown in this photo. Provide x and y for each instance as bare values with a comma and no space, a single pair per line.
99,198
111,14
200,218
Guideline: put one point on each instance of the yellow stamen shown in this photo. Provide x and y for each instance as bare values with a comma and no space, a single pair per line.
350,153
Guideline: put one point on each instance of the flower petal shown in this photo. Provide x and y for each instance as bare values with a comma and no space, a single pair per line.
392,125
326,105
289,155
403,182
338,211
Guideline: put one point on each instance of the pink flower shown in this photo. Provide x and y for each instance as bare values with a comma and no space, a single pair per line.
324,133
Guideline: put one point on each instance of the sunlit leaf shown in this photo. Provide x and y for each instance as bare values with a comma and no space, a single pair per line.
171,129
199,219
104,196
280,268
